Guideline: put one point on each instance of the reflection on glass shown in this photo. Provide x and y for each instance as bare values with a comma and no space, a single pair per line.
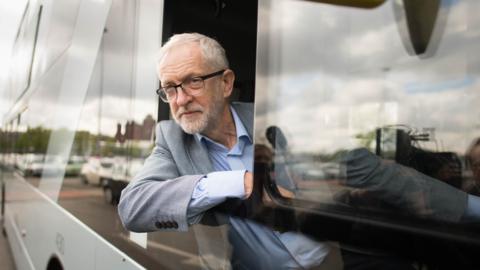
356,124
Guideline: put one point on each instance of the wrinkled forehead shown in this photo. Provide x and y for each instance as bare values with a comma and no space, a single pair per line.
185,52
181,60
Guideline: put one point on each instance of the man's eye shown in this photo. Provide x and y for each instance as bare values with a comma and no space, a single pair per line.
196,80
169,90
195,83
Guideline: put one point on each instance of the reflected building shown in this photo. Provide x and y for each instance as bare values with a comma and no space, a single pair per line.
134,131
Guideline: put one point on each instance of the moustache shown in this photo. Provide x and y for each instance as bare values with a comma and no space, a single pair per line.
183,110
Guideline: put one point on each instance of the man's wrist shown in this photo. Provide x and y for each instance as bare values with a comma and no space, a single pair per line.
227,184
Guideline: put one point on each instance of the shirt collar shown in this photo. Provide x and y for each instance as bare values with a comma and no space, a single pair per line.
240,129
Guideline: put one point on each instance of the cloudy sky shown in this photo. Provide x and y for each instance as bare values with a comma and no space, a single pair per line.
336,72
10,14
114,69
339,70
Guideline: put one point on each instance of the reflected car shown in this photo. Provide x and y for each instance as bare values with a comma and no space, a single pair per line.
31,164
74,165
96,171
332,170
122,173
308,171
19,160
9,161
316,170
53,165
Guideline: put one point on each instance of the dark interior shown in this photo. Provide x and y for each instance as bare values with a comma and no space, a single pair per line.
232,23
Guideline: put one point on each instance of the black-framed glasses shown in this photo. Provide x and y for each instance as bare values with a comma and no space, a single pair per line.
191,86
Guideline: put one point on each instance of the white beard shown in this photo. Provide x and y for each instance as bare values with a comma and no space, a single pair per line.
194,126
205,120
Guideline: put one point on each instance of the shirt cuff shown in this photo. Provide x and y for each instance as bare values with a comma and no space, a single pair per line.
224,184
214,189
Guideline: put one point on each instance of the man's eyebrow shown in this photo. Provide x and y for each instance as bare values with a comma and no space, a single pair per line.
166,83
188,76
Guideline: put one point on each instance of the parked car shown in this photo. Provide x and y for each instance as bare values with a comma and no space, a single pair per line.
74,165
96,170
31,164
53,165
38,164
122,173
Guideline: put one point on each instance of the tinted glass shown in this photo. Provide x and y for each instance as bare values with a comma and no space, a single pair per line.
360,121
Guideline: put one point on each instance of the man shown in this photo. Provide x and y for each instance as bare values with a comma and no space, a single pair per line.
203,158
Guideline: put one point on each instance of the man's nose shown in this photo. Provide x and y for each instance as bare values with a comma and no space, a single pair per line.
182,97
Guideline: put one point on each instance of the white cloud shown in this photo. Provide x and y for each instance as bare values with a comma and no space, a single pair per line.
10,15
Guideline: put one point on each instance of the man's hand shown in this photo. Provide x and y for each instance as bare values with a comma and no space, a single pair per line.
248,184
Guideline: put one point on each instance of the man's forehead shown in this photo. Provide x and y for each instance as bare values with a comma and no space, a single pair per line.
181,52
181,59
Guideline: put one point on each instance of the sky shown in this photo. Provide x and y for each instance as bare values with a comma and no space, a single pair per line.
10,15
113,72
349,74
354,74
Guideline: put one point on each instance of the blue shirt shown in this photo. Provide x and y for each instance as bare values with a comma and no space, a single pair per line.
271,248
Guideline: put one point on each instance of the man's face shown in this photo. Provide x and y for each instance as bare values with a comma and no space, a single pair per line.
195,114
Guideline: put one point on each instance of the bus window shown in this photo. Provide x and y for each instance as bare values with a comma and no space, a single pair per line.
352,125
353,3
24,49
116,125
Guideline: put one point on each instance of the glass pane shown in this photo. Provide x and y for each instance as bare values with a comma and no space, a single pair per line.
358,125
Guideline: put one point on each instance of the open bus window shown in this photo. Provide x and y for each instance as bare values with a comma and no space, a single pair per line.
360,128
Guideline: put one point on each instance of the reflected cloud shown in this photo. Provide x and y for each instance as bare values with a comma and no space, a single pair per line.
344,71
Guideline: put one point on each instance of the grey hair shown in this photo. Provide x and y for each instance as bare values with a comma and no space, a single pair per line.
212,52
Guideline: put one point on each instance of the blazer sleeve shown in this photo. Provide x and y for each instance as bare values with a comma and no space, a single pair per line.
157,198
405,188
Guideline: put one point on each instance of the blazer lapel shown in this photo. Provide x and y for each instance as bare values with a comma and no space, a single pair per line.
198,156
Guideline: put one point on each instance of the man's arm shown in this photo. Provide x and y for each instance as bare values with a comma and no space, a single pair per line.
405,188
215,188
159,198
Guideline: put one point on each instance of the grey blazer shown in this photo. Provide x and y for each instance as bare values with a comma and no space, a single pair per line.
158,197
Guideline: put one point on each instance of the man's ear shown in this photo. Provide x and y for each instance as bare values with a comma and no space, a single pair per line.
227,80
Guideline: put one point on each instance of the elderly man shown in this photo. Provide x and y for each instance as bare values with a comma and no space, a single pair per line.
203,158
